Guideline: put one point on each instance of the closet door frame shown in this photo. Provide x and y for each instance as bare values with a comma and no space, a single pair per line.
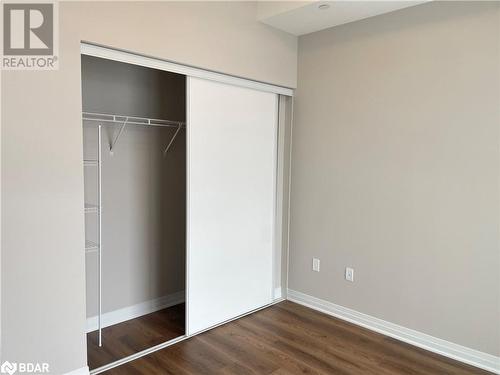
278,294
169,66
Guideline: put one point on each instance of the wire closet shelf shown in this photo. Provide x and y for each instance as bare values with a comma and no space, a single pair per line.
111,119
130,120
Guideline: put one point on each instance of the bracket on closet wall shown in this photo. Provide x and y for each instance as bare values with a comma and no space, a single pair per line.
113,143
172,140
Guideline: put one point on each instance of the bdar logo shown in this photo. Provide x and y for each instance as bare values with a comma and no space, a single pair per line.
8,368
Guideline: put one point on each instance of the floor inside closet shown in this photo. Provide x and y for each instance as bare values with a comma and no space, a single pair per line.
288,338
134,335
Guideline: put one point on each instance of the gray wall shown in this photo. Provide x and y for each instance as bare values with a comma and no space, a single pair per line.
144,193
114,87
43,262
395,169
144,218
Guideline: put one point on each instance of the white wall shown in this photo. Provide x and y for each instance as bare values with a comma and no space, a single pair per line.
395,169
43,289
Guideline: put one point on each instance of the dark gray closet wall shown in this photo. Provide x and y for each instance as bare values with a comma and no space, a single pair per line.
119,88
143,247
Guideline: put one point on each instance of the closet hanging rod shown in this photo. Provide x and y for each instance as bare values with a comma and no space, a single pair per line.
105,118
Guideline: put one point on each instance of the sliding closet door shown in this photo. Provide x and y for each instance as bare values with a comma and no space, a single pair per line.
231,200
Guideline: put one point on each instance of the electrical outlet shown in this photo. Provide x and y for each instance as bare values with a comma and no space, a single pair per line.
349,274
316,264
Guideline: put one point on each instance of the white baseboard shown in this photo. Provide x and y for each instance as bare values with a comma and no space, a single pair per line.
134,311
448,349
80,371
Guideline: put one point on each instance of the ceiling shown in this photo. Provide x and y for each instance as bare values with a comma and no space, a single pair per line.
304,17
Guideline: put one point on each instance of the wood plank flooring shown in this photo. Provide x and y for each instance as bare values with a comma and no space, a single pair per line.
291,339
132,336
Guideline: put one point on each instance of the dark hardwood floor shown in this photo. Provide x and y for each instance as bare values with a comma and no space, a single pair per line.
132,336
291,339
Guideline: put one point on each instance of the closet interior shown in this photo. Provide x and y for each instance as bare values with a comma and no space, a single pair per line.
134,151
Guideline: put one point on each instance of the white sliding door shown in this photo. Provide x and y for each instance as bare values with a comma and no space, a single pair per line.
231,200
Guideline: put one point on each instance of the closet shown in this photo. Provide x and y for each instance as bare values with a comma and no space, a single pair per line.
135,194
185,175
